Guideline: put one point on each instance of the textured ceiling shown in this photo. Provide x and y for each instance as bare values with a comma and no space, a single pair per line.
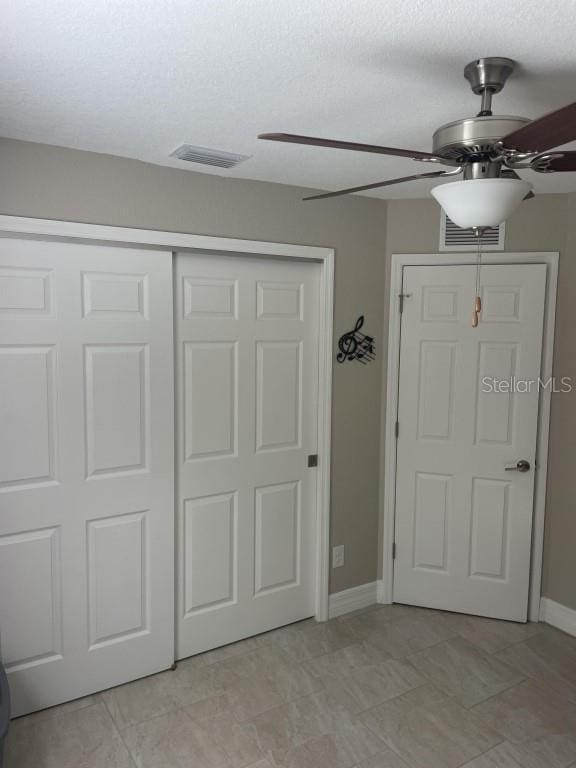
139,77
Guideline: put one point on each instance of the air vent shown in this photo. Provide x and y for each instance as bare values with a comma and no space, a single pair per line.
454,238
205,156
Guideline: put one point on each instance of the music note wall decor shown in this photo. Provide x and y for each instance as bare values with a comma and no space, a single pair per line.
355,345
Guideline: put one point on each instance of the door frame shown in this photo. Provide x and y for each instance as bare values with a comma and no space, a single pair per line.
392,380
179,241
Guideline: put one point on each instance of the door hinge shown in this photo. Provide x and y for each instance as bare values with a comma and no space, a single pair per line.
394,551
397,429
313,460
403,296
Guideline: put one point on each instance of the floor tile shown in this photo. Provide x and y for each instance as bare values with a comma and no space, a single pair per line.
550,752
528,711
363,687
272,664
321,713
213,706
360,654
386,687
430,730
384,759
282,729
499,757
248,645
190,684
84,738
64,709
559,651
491,635
141,700
558,646
462,670
249,698
409,633
277,732
310,640
341,749
238,740
173,741
361,611
539,666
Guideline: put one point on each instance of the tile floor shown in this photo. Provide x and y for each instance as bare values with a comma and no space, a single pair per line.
389,687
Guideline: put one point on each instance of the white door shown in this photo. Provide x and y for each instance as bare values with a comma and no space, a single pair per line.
463,522
86,468
247,390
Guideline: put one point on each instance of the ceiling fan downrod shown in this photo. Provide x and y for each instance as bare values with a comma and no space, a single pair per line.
486,77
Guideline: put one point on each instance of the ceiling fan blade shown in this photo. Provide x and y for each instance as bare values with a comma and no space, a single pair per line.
414,154
551,130
564,162
378,184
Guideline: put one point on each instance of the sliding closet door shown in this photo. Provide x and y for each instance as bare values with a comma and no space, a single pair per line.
247,382
86,468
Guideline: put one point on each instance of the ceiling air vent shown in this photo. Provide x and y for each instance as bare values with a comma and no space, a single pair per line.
454,238
205,156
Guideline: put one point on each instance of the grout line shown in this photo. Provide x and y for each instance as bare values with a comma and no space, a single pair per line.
119,734
482,754
499,693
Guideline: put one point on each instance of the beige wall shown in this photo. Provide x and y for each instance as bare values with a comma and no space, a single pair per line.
49,182
546,223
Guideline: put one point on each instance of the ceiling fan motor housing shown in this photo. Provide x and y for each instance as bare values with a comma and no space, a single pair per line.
473,138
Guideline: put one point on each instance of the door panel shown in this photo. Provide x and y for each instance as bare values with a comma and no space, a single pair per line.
210,544
247,381
464,523
277,537
86,468
31,626
209,399
278,394
117,555
28,416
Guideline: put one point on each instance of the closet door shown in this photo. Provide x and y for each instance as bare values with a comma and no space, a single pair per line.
86,468
247,384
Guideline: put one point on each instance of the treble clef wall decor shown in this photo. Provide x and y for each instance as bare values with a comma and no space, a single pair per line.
355,345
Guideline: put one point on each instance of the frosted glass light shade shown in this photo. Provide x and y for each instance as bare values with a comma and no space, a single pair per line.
481,202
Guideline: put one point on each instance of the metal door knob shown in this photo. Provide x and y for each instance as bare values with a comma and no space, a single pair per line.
521,466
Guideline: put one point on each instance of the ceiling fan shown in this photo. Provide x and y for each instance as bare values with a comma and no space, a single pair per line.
484,147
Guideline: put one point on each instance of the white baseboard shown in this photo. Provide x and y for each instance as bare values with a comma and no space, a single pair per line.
365,595
381,596
352,599
558,615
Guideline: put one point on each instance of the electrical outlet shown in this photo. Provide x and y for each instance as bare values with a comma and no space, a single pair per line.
338,556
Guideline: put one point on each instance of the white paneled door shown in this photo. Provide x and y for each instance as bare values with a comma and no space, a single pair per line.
86,468
468,410
246,416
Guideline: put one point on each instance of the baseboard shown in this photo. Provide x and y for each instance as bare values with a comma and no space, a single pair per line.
365,595
381,593
352,599
558,615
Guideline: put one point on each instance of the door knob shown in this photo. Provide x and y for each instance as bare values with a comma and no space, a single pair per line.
521,466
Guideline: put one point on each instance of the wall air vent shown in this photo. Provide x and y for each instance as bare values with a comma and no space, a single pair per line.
205,156
454,238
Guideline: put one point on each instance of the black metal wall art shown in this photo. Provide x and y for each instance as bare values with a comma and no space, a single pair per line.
355,345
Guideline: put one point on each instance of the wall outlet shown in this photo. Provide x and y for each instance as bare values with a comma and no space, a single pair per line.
338,556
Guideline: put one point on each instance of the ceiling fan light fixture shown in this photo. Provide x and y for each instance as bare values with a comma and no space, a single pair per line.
476,203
